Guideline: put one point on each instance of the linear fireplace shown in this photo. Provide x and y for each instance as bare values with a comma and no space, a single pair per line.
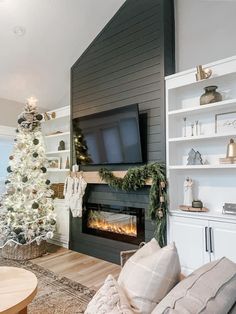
119,223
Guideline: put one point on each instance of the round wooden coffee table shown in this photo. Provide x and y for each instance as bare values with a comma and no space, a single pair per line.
18,287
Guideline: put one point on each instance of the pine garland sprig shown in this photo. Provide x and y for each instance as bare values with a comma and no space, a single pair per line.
107,176
134,179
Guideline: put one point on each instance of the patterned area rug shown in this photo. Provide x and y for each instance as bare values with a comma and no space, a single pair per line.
56,295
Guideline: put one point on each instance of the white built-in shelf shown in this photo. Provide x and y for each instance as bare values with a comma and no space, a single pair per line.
216,215
57,135
213,183
60,124
58,152
63,112
201,137
222,70
57,170
225,104
197,167
55,119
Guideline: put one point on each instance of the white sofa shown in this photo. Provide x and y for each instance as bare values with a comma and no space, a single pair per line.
149,284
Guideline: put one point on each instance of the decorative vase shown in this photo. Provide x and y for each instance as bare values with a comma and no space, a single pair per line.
24,252
210,95
231,149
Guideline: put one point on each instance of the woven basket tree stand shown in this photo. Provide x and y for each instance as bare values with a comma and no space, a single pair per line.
24,252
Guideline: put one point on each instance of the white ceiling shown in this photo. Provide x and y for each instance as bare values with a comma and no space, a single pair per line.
57,33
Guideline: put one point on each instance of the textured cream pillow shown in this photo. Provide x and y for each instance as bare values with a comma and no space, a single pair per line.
210,289
110,299
149,275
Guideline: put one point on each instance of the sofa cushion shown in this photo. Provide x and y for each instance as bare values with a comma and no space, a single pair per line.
110,299
149,275
209,289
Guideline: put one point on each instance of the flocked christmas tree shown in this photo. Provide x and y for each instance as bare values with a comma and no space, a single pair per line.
27,209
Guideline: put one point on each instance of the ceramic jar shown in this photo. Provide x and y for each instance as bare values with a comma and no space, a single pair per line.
197,204
210,95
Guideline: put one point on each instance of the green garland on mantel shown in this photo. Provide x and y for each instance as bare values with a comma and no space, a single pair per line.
134,179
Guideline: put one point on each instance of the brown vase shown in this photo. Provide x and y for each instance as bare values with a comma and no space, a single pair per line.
210,95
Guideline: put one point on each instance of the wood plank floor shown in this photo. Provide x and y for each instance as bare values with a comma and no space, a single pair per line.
87,270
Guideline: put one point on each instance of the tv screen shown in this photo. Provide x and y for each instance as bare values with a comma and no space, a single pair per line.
111,137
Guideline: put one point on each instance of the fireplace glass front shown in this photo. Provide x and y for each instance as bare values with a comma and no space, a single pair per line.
119,223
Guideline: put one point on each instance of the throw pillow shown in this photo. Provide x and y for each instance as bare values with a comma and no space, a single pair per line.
210,289
110,299
233,310
149,275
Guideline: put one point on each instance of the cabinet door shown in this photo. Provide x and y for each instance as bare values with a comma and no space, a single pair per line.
61,235
190,237
223,240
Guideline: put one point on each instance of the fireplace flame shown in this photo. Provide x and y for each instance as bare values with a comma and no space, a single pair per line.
126,228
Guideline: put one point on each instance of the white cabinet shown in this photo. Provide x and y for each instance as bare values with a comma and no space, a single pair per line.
200,241
61,235
223,240
189,237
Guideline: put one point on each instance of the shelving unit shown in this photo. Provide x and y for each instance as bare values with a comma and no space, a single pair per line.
61,124
58,134
200,237
50,128
201,137
213,182
229,104
58,170
199,167
58,152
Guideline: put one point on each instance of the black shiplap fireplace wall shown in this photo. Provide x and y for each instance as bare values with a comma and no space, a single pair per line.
125,64
101,247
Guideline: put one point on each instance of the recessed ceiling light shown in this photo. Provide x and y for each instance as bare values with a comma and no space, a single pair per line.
19,31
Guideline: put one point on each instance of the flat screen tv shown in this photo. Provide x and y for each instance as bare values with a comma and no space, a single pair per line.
112,137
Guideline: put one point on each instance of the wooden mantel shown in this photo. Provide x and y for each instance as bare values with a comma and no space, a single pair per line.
93,177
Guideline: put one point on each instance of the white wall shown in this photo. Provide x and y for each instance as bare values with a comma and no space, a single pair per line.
205,31
7,135
9,111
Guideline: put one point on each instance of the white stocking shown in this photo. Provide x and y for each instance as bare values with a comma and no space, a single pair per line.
68,191
76,201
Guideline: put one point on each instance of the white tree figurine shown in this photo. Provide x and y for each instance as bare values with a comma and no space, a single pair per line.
27,209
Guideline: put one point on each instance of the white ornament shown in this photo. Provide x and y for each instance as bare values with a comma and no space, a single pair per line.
49,235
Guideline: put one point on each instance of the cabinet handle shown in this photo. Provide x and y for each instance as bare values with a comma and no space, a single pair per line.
206,242
210,237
